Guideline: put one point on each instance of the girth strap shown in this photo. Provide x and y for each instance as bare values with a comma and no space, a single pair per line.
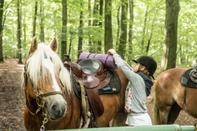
95,102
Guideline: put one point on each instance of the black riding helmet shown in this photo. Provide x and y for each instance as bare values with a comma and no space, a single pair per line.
149,63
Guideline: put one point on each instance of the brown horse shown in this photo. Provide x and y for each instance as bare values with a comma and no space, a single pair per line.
171,97
50,100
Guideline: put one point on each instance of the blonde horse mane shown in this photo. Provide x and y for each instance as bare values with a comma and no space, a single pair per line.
36,71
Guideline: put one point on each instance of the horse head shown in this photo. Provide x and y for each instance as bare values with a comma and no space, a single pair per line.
45,81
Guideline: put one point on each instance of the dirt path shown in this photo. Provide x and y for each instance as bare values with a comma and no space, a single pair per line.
12,101
11,96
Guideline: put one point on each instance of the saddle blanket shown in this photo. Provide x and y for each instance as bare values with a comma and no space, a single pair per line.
186,81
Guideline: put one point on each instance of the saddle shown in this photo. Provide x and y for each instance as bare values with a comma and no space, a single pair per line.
189,78
96,80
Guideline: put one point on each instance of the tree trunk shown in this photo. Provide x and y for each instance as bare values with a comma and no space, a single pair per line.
1,30
35,17
70,42
24,30
19,31
118,24
108,38
80,31
144,29
131,14
90,24
41,22
151,33
95,22
64,29
123,35
170,44
100,23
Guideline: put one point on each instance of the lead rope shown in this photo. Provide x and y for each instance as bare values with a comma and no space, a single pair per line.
41,105
44,121
85,107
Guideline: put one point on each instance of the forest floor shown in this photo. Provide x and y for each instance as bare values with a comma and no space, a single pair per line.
12,100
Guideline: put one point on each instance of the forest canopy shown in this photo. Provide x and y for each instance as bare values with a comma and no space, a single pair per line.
148,27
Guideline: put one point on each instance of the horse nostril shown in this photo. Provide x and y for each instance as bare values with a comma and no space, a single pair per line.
55,109
58,111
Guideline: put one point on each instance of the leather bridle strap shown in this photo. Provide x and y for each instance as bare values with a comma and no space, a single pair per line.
50,93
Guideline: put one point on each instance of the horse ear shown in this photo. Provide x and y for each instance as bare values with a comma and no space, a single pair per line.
34,44
54,44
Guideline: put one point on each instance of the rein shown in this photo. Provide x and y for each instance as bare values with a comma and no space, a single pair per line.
39,99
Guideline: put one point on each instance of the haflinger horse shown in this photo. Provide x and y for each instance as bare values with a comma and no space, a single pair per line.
50,100
175,90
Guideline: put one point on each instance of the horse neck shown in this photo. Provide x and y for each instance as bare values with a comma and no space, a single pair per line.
73,115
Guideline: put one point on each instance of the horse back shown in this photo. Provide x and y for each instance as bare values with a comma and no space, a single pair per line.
168,87
170,92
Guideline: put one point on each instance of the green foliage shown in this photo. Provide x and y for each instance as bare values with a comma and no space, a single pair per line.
186,50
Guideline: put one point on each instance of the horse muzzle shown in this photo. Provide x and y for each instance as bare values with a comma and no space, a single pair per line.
56,107
58,111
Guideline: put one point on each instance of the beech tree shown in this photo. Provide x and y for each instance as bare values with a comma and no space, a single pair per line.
171,26
1,29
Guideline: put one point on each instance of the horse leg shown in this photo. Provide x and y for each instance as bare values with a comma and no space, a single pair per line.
119,119
161,113
175,110
169,114
156,113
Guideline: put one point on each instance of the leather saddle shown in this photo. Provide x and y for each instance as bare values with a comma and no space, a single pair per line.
189,78
96,79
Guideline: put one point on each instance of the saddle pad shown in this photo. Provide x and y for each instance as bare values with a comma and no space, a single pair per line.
114,85
186,81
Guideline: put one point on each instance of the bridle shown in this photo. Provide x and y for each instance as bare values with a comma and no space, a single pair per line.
39,98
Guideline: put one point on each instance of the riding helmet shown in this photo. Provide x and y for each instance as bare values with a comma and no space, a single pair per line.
149,63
